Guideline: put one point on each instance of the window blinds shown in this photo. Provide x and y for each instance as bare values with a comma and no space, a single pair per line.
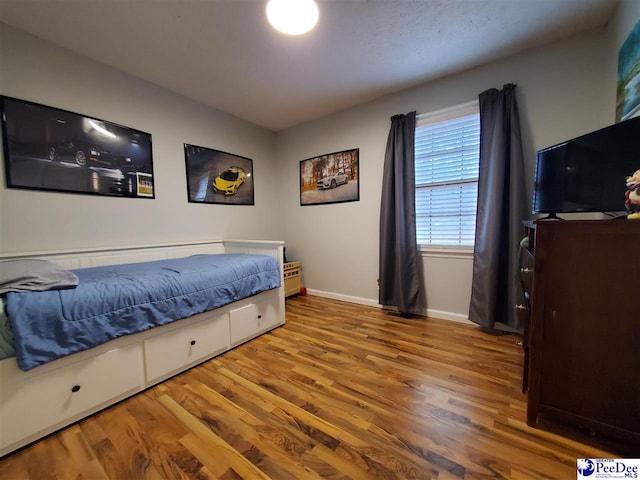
446,165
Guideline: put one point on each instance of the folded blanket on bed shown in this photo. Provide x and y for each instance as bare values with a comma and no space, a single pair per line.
117,300
34,275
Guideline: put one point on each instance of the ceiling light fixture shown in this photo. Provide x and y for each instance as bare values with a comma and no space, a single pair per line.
293,17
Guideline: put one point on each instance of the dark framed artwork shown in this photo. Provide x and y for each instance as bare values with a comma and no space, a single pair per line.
218,177
46,148
330,178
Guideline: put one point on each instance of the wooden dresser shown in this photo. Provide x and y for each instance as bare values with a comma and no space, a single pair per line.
584,335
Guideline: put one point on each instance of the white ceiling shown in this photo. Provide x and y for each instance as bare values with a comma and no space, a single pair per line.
224,54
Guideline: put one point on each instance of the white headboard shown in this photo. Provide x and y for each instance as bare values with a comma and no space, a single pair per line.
94,257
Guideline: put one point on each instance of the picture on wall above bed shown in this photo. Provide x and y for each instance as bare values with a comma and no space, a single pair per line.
218,177
46,148
330,178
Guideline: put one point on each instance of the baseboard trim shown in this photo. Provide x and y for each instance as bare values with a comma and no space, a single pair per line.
345,298
441,314
454,317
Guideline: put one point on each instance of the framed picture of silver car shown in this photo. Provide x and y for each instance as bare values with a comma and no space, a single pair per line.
330,178
214,176
46,148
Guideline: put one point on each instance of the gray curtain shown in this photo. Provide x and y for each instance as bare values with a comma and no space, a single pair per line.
501,210
400,284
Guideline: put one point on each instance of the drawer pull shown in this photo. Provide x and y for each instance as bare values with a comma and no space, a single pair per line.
75,388
193,342
526,270
521,307
259,317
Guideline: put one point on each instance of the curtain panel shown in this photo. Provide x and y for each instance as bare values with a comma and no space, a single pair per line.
501,210
399,262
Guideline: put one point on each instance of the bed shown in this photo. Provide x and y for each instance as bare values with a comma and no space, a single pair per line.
78,369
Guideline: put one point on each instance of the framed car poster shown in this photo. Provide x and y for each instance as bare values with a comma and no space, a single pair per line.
219,177
46,148
330,178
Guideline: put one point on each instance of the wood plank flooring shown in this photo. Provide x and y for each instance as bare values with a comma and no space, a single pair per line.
341,391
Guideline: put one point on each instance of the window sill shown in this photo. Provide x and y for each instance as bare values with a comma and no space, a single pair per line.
446,252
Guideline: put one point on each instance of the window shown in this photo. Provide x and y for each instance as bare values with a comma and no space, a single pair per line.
447,150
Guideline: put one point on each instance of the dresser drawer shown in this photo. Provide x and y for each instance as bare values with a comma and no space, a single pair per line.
178,349
43,402
252,319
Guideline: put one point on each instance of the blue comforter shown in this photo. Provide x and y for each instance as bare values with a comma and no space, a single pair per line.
118,300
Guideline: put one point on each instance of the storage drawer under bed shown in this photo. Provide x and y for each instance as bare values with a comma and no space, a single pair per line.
248,321
42,402
176,350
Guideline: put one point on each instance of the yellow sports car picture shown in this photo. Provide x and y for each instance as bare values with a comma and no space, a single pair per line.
229,181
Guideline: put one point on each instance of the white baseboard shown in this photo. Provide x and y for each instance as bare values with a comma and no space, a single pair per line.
345,298
370,302
454,317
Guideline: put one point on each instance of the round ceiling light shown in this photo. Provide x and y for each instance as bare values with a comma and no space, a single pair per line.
293,17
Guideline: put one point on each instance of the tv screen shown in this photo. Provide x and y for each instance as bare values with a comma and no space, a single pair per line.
587,174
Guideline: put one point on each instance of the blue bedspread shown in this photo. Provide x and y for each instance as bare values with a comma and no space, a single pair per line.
118,300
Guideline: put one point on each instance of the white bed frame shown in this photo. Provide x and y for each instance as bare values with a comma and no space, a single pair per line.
56,394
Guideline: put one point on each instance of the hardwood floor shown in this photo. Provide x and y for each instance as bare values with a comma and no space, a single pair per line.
341,391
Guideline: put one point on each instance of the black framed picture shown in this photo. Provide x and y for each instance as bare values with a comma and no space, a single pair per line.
218,177
330,178
46,148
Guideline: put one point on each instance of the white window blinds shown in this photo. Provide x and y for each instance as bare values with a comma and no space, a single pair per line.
446,164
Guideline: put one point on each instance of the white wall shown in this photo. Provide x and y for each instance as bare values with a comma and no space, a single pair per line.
31,220
560,94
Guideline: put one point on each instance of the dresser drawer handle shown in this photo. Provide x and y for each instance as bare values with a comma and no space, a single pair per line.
193,342
75,388
526,270
521,307
259,317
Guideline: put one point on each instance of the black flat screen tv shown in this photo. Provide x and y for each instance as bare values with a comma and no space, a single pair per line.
587,173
